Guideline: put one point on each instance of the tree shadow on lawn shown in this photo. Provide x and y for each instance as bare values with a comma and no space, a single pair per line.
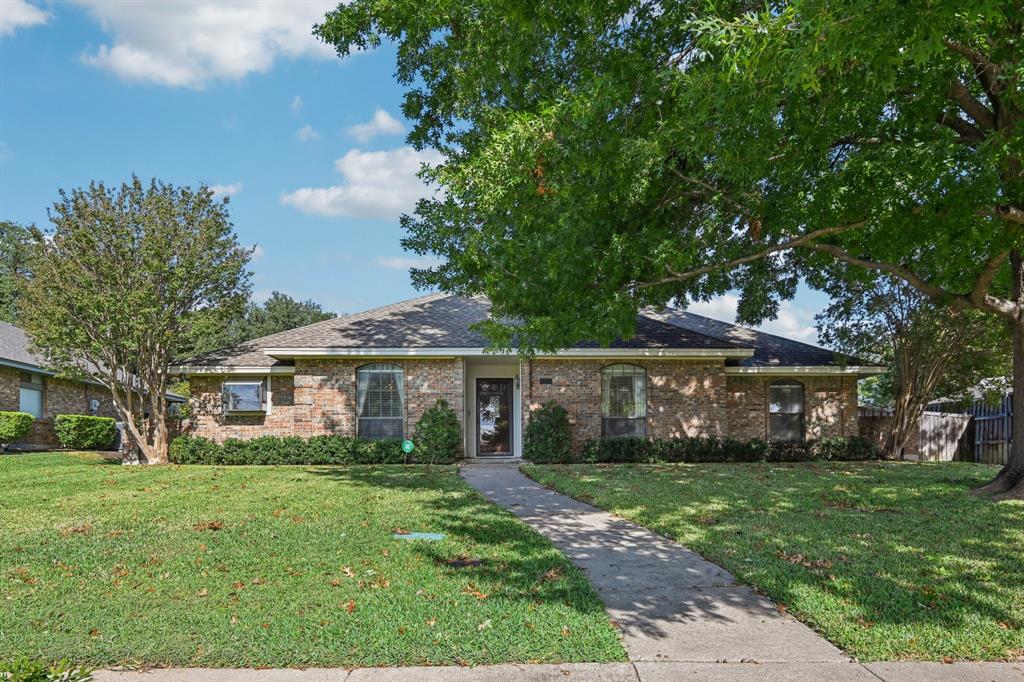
523,562
894,546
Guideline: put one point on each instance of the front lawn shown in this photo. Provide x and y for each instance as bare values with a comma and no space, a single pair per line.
278,566
889,561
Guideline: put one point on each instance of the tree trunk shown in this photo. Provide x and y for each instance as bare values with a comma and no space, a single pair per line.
1009,482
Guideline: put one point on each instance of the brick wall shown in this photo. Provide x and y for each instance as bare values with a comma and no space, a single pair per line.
830,406
684,397
60,396
320,399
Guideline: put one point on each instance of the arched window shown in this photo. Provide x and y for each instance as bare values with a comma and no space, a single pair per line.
786,410
623,401
380,401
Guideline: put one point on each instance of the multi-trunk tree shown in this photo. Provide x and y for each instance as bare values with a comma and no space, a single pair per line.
118,283
929,350
600,157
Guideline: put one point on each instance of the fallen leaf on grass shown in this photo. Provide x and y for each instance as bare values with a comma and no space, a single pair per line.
208,525
349,606
565,631
203,592
551,575
399,531
801,560
259,581
470,589
484,625
347,570
83,529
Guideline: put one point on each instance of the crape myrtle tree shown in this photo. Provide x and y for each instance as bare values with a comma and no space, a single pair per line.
600,157
929,350
14,240
121,278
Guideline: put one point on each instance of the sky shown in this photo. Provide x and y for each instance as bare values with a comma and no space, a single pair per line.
240,96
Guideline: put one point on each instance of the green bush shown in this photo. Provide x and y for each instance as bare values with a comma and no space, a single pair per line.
548,438
28,670
705,449
84,432
14,426
286,450
438,435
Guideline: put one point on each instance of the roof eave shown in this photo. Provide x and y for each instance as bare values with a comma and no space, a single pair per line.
429,352
809,370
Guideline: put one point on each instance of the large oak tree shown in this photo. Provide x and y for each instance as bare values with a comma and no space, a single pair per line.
605,156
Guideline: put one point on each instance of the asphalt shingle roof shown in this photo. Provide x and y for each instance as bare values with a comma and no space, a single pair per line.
443,321
14,346
769,350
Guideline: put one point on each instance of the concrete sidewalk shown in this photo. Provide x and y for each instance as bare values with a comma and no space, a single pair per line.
670,603
601,672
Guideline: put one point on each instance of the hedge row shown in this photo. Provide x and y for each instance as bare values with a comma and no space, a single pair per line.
14,426
437,439
700,449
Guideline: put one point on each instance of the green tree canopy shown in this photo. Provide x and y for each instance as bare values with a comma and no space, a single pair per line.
119,280
14,248
600,157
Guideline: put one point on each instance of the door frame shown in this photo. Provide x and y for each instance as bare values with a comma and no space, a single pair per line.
509,384
490,368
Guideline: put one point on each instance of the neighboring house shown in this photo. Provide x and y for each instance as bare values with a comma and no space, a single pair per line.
27,386
373,374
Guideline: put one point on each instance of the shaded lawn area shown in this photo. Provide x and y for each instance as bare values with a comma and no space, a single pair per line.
889,561
277,566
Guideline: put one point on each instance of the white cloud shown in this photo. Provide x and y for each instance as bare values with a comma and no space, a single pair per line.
226,190
376,185
257,252
306,133
15,14
296,105
793,322
406,262
189,44
382,123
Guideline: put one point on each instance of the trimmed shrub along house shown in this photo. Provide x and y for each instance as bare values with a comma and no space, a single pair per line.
373,374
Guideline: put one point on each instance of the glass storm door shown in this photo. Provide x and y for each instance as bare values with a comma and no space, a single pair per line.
494,416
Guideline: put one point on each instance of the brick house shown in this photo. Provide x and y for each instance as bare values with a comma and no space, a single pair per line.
27,386
372,374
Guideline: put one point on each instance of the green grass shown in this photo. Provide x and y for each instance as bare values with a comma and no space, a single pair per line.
277,566
889,561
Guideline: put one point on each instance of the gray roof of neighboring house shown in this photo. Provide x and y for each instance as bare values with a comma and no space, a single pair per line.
443,321
15,352
769,350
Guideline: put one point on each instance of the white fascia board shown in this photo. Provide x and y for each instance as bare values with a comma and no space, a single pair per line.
821,370
482,352
228,369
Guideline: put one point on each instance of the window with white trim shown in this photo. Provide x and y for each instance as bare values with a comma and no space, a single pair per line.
380,401
623,401
786,410
30,394
242,396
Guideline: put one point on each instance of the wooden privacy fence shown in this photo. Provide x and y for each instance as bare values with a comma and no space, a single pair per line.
980,432
939,437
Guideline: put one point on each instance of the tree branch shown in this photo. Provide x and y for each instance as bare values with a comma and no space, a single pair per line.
785,246
984,70
966,131
981,114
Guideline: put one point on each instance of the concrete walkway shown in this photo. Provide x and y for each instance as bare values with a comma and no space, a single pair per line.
670,603
600,672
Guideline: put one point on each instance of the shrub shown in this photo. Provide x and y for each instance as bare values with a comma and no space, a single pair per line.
28,670
438,435
193,450
548,439
286,450
708,449
14,426
84,432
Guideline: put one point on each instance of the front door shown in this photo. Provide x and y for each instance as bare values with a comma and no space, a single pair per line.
494,417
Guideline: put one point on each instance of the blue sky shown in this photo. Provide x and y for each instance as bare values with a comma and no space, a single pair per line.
240,96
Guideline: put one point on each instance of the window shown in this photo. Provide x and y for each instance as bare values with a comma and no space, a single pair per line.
94,407
380,401
786,410
623,401
30,394
244,396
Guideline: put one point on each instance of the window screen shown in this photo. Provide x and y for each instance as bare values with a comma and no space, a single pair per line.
30,394
786,411
380,401
243,396
623,401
